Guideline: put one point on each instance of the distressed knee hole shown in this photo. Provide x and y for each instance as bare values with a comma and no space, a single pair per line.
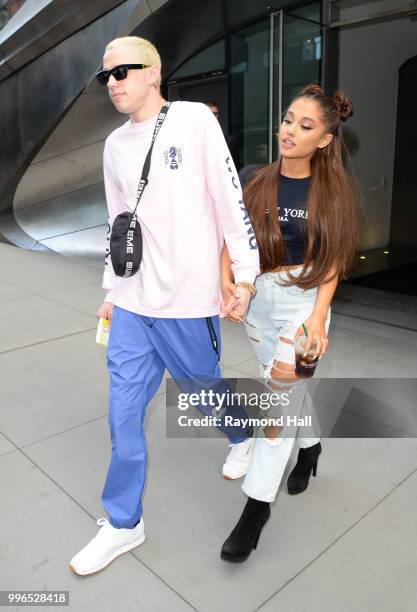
272,432
273,435
285,340
254,339
282,370
280,375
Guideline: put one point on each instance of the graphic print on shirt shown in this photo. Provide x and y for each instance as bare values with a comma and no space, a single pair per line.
107,254
293,213
252,240
173,157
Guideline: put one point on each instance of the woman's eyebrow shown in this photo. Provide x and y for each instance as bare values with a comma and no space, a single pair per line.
302,118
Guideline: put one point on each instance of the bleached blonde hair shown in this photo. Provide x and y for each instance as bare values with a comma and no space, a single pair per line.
144,51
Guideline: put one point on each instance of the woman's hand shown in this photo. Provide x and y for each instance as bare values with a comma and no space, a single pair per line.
316,330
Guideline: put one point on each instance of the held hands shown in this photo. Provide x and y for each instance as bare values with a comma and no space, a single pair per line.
105,311
316,330
235,302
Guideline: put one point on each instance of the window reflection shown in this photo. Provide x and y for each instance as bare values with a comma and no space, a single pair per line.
8,8
249,76
208,60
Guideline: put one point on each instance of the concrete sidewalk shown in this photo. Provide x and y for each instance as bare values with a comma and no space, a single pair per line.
347,544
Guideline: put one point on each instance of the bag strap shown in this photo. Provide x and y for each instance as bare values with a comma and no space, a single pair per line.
147,165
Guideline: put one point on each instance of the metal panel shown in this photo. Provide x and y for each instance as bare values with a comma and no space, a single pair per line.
67,214
46,26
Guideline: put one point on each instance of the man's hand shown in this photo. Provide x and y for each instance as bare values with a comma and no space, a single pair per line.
229,299
236,306
105,311
228,290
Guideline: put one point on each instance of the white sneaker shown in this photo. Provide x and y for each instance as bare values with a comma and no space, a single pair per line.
108,544
237,461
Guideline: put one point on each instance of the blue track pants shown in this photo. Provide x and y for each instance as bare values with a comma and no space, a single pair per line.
139,350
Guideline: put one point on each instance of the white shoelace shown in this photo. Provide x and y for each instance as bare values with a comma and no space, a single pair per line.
104,524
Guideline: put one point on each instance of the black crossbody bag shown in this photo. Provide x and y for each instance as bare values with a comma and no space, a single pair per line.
126,236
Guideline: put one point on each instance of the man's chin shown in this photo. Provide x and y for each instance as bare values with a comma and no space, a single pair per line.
122,109
121,106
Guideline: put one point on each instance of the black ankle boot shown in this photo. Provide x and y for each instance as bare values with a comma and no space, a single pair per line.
306,463
244,537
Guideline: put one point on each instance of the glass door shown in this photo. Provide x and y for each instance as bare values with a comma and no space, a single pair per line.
269,63
249,91
297,54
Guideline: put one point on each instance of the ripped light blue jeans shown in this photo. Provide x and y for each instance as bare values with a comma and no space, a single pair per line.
274,316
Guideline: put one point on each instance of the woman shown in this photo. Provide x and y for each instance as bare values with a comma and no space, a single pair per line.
306,244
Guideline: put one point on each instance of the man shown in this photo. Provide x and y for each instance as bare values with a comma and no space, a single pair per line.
166,315
230,140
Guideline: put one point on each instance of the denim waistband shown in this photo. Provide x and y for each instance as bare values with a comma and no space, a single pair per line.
282,275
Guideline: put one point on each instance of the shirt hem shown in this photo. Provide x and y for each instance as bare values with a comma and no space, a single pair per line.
168,314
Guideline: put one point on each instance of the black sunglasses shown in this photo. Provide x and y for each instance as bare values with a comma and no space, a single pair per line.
119,72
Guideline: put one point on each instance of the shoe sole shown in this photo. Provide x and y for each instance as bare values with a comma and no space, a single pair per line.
112,558
296,491
241,559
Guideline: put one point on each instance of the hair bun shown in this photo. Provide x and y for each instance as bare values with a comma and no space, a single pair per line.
314,89
344,105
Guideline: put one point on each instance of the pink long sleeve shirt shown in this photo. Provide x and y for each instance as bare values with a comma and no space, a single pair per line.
193,202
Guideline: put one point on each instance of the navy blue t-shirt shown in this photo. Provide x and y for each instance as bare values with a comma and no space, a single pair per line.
292,202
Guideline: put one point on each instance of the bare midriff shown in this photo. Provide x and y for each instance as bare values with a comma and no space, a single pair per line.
286,268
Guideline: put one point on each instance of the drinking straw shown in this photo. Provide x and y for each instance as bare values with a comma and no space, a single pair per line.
305,331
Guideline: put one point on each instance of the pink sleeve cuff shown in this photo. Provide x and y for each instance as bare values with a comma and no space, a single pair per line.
109,297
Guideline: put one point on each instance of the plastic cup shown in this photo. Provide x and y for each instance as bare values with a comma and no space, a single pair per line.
305,362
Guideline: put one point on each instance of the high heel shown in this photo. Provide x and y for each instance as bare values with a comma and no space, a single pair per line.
245,536
306,465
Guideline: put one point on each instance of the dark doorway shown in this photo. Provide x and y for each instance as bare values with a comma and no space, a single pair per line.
404,192
213,89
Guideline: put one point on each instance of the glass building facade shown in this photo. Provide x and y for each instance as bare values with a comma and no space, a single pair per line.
253,73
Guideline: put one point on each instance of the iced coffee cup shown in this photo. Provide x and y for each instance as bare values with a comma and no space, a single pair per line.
305,361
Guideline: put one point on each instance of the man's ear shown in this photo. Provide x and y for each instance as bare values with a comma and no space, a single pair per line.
154,75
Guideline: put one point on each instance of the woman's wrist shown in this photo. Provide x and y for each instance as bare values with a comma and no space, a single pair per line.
320,312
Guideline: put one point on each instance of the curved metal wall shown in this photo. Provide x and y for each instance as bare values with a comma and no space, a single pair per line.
60,199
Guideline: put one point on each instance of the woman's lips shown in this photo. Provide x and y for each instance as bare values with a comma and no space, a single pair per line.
287,143
115,96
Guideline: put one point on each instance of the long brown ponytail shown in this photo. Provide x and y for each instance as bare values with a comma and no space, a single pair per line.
332,213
